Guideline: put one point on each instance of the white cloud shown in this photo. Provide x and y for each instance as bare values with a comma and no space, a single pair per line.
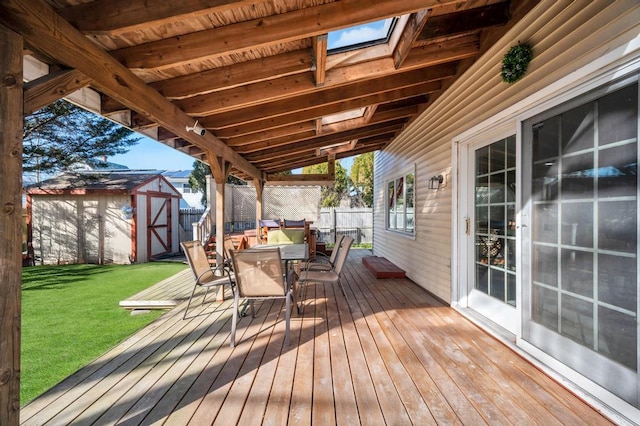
359,34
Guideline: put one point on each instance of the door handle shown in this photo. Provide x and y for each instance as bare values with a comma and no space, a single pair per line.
467,223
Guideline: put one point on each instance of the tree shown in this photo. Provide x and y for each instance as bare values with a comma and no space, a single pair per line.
362,177
331,197
198,179
62,134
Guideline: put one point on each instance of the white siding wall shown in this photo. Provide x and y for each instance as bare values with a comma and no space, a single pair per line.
565,36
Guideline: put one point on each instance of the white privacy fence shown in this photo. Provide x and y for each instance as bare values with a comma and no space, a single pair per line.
286,202
354,222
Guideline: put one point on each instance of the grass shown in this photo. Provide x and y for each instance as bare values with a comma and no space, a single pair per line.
70,316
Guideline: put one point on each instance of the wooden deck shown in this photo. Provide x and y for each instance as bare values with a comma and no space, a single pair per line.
388,353
166,294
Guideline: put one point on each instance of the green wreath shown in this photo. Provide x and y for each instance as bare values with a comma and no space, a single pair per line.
515,62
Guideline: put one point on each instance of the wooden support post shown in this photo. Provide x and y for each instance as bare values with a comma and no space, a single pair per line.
11,46
220,169
259,184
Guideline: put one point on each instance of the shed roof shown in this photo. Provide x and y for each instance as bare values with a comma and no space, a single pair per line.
92,181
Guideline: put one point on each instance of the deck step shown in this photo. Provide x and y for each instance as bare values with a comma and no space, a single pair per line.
382,268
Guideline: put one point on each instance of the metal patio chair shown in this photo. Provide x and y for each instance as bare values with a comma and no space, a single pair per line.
205,275
330,276
259,276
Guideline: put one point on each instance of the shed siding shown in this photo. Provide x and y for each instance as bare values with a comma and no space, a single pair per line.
79,229
565,36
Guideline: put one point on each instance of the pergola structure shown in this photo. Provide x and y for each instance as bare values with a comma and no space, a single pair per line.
258,76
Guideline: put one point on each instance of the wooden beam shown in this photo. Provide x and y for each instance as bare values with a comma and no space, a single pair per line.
307,157
36,21
325,96
286,64
11,46
321,141
259,185
119,16
436,53
292,129
338,81
45,90
412,30
256,143
264,31
313,113
466,20
319,44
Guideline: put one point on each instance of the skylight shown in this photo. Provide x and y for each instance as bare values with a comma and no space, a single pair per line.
360,36
342,116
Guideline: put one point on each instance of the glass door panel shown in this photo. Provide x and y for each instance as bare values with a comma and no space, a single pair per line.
582,286
494,231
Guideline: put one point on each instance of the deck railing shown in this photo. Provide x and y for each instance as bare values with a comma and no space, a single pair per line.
203,228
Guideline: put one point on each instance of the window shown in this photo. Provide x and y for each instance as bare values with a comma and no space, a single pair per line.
400,203
186,189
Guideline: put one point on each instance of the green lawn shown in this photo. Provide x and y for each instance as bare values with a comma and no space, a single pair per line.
70,316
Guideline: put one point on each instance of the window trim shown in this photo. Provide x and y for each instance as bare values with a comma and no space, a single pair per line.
388,207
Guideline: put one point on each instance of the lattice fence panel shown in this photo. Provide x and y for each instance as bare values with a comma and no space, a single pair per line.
291,202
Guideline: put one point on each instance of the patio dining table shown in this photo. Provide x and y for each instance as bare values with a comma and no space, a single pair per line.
288,252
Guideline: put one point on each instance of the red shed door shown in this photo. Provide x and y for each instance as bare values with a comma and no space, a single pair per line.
159,224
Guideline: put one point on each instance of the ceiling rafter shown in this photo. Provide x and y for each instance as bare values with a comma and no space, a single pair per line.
257,143
328,96
240,127
248,72
265,31
118,16
322,141
293,85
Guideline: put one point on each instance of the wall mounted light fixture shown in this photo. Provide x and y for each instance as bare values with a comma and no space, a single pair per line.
435,182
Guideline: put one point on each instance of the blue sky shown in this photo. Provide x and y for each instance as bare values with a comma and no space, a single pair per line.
149,154
359,34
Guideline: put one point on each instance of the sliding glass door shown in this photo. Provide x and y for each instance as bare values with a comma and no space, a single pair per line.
581,195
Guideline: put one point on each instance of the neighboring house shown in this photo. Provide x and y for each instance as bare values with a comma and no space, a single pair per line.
180,180
103,217
518,204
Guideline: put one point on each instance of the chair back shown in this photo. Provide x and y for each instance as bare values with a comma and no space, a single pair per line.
294,223
285,236
198,260
259,273
336,248
343,252
228,247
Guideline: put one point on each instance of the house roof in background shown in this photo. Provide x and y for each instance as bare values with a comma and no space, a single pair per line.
177,174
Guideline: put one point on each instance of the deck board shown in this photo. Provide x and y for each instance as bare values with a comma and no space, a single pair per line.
387,353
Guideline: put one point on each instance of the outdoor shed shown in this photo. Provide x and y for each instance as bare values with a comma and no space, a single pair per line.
114,217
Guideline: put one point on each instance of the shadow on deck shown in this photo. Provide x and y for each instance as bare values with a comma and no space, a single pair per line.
387,353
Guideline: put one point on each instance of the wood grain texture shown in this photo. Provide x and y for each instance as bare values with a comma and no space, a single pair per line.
385,351
11,46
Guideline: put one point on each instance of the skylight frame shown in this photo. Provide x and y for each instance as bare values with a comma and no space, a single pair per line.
369,43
